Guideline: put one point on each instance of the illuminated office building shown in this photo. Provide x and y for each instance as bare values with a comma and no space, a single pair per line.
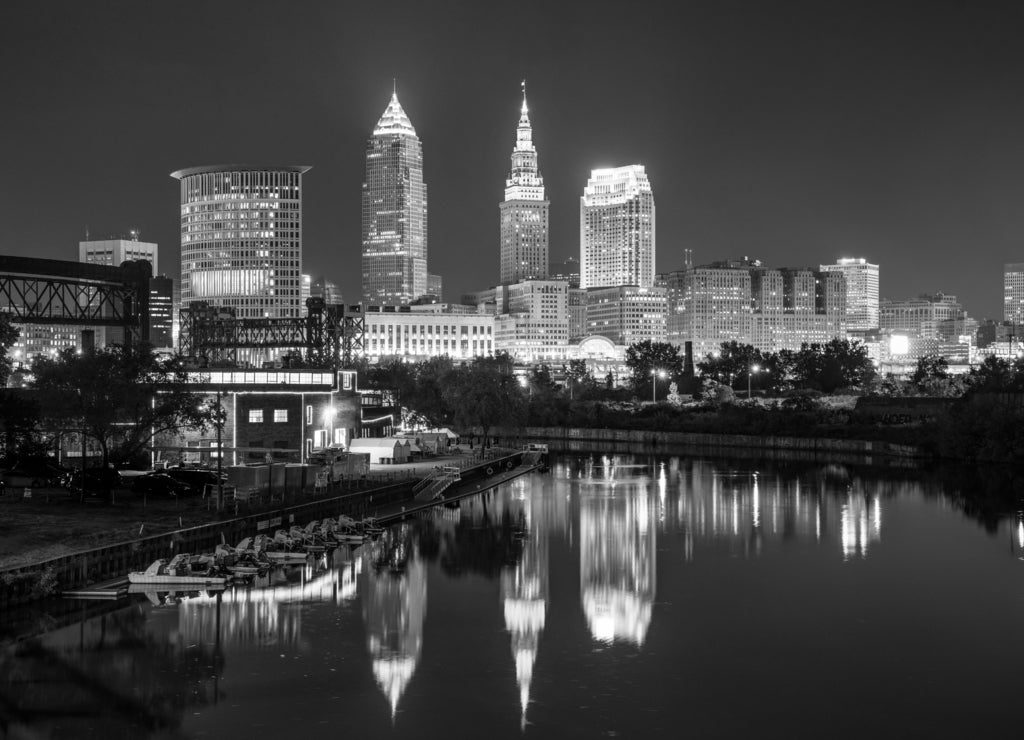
617,244
861,292
745,302
524,212
115,251
394,205
1013,292
241,238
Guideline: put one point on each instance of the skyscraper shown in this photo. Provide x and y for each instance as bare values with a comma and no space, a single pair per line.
524,212
617,229
241,238
115,251
861,292
394,212
1013,292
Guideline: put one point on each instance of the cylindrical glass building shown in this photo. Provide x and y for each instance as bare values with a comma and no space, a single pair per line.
241,238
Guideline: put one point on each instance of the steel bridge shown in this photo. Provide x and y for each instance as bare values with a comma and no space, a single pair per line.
44,291
328,336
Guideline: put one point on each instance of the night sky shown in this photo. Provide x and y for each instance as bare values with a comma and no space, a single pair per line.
791,132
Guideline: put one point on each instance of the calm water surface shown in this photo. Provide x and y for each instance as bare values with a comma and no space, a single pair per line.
616,596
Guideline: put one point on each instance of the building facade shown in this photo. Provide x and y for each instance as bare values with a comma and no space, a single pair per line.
241,238
929,316
414,334
626,314
115,251
535,325
1013,292
744,302
161,312
394,212
617,229
861,292
524,211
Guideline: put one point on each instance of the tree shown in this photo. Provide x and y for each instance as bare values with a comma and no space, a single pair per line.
998,375
118,397
930,367
578,377
838,363
8,336
484,393
645,356
731,363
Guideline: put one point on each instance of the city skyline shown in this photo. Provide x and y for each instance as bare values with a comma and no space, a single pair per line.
794,134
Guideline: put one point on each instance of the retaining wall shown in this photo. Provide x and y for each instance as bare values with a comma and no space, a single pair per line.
748,441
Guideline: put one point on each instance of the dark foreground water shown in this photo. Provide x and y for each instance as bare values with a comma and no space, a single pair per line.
616,596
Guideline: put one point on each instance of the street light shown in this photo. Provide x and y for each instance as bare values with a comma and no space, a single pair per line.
655,374
751,370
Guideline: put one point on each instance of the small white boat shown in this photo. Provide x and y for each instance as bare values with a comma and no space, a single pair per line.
174,574
286,557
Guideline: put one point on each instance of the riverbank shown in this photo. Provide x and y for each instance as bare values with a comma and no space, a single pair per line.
88,549
573,438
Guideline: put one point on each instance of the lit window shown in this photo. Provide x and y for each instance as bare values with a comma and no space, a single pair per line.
280,414
255,416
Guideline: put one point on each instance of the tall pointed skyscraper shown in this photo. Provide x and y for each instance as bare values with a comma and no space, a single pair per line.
394,212
524,212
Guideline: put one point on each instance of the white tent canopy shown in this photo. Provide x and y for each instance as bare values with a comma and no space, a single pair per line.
382,449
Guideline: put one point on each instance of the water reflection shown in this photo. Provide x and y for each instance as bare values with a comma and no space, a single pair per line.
394,597
617,549
602,535
524,586
261,616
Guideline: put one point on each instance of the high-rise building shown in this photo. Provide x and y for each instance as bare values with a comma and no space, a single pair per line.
617,229
534,327
115,251
161,312
937,316
435,286
241,238
1013,292
743,301
569,270
626,314
861,292
394,212
329,291
524,212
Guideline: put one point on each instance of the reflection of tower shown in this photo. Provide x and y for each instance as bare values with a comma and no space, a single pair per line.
394,607
524,589
617,558
860,523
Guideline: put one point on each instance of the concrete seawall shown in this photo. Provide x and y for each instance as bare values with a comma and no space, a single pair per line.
710,441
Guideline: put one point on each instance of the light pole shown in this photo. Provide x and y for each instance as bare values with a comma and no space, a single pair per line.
220,454
655,374
751,369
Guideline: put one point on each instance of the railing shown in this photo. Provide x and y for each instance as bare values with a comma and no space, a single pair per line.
433,485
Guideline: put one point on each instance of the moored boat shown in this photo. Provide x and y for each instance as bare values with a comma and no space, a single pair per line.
176,573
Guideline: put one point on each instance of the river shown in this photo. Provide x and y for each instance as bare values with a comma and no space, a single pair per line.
634,596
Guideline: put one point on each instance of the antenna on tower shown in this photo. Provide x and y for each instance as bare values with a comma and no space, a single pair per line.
87,232
394,86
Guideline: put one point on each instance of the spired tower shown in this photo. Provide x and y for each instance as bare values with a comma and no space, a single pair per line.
394,212
524,212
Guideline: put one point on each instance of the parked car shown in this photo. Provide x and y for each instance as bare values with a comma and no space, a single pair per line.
196,478
159,484
32,472
96,480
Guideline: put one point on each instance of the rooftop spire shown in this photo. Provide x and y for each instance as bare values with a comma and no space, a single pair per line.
394,120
